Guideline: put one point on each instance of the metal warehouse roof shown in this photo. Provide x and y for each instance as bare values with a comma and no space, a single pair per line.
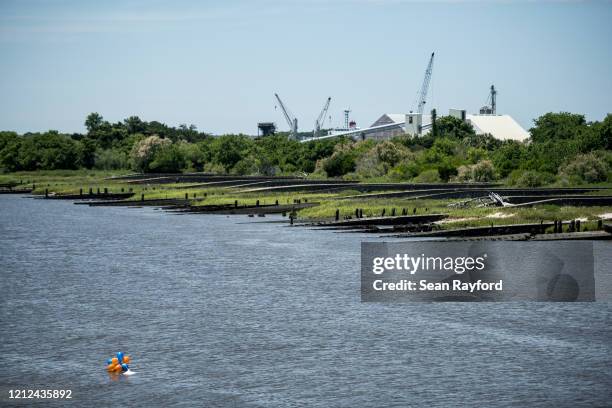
388,118
502,127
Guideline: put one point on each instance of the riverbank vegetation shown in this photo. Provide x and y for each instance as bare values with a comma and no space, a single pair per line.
564,149
73,181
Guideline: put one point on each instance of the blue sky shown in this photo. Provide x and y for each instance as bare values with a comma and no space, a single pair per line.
217,64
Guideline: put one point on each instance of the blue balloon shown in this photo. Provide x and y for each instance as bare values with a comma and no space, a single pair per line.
109,361
120,357
124,367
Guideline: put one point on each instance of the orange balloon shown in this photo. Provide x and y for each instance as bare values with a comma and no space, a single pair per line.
110,367
126,359
114,360
117,367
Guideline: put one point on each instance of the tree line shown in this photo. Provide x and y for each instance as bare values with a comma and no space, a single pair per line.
563,148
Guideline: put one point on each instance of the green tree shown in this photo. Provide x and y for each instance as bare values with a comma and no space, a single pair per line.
228,150
93,122
134,124
508,157
87,152
10,144
339,164
167,159
143,152
557,126
451,127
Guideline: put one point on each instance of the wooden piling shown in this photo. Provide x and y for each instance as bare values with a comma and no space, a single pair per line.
337,214
142,197
577,225
105,191
90,191
46,193
81,191
393,212
383,212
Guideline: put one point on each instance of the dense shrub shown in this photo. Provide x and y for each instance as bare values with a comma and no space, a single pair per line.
530,178
339,164
111,159
589,168
482,171
391,153
509,157
143,152
405,170
369,165
167,159
428,176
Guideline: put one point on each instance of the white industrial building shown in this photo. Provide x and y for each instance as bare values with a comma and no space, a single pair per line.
502,127
389,125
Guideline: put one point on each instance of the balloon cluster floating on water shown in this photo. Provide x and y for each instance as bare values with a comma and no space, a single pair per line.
118,364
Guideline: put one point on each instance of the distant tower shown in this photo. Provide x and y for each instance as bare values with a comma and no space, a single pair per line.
346,118
490,108
266,128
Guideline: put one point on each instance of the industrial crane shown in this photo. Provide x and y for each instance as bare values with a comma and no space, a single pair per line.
321,118
425,87
291,120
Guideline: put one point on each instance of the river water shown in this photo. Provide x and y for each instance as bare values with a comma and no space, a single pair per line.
220,311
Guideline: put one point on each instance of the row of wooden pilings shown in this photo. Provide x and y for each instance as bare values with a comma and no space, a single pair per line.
257,202
572,226
91,193
359,212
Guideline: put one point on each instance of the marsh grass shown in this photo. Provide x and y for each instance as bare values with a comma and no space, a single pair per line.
69,182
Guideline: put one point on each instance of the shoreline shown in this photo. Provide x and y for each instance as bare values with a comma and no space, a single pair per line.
384,209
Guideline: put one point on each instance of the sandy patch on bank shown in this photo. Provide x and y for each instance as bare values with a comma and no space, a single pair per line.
451,220
500,215
605,216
